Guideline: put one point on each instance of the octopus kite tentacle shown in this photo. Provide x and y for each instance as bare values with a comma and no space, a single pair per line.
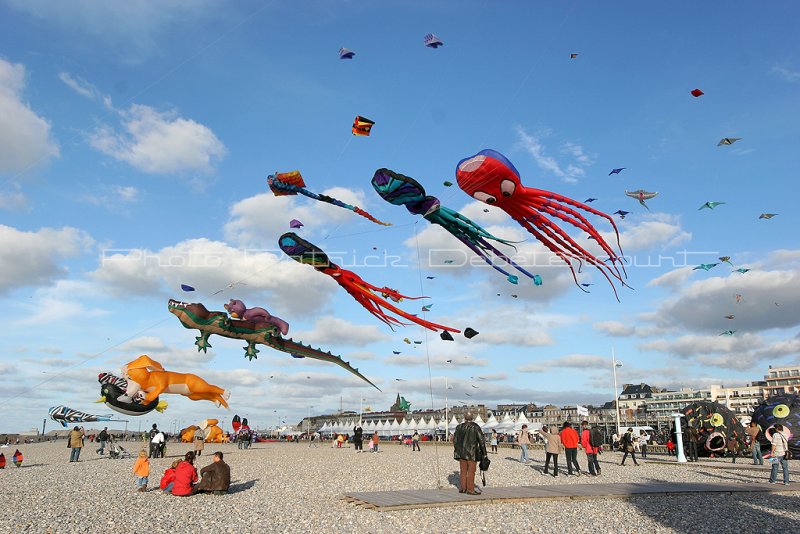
491,178
402,190
292,184
365,293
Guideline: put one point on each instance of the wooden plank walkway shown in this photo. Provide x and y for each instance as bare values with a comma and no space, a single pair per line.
383,501
722,463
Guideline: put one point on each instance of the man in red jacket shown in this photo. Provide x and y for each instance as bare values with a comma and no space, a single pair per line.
569,438
185,477
591,452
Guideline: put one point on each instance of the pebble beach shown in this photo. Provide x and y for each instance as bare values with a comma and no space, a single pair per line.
289,487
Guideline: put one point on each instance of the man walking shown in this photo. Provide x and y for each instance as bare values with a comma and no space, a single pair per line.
627,447
358,438
469,448
692,436
755,446
524,439
569,438
591,450
156,442
102,437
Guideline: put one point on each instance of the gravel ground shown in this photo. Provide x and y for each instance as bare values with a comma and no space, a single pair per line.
281,487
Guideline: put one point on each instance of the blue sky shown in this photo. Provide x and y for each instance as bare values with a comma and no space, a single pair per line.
135,142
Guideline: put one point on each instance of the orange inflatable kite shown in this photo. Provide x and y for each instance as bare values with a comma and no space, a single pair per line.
149,377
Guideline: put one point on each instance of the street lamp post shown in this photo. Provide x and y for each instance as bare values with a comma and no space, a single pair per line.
679,437
614,365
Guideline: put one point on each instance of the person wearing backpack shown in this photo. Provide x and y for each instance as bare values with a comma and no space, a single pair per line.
753,432
591,444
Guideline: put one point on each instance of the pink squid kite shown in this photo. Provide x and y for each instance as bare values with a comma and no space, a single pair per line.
490,177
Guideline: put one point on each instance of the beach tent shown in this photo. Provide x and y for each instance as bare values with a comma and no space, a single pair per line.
394,428
479,421
427,426
491,423
413,425
506,426
403,427
521,420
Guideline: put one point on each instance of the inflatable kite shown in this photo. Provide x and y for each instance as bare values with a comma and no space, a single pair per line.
65,416
292,183
783,409
402,190
196,316
715,425
365,293
113,388
490,177
212,433
187,434
146,375
237,423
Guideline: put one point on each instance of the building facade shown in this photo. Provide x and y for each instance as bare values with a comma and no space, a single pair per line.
782,380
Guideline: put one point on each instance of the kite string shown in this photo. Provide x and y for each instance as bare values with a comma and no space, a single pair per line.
428,356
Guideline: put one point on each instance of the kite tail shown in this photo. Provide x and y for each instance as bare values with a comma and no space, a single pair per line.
293,189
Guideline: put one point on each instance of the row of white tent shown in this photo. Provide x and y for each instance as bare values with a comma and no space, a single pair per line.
506,425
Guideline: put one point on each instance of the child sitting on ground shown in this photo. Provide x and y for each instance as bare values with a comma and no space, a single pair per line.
670,448
141,470
168,480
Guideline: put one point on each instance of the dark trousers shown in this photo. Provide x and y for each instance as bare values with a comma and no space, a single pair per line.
554,456
358,444
644,450
594,465
414,445
572,459
155,450
467,472
633,455
692,448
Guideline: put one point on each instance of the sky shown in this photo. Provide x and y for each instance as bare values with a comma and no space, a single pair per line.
136,138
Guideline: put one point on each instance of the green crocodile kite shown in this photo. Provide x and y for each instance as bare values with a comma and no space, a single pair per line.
196,316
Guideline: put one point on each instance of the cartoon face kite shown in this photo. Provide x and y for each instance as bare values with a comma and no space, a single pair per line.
490,177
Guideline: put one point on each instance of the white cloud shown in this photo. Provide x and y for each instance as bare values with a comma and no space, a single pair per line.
571,171
160,142
31,258
672,279
335,331
25,137
13,200
257,277
571,361
656,230
113,196
785,73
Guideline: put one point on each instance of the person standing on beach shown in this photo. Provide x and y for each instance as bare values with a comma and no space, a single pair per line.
358,438
552,448
569,438
524,439
375,440
154,446
157,444
102,438
692,437
493,441
627,447
733,448
779,453
753,432
75,443
591,452
141,470
415,442
644,437
469,447
199,442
